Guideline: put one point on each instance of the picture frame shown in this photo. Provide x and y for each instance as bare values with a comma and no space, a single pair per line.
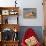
29,12
0,36
13,12
5,12
12,18
5,19
0,19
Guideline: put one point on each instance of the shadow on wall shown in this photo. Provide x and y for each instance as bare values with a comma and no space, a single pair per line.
37,29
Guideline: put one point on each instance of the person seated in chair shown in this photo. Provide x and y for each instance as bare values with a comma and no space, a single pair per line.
30,38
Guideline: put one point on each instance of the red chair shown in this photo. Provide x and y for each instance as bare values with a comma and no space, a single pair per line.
29,33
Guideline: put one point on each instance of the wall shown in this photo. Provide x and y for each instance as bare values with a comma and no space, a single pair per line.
27,4
33,22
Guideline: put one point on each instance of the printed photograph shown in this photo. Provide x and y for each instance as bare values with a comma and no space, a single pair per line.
29,12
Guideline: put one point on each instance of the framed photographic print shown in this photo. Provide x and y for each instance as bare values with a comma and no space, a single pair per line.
5,12
29,12
13,12
5,19
12,19
0,36
0,19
